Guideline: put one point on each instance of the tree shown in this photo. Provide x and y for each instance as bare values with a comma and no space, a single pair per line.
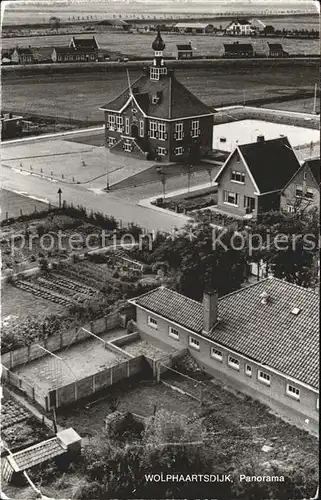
54,22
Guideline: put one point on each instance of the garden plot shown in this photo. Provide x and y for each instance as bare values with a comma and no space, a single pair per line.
67,286
72,363
44,293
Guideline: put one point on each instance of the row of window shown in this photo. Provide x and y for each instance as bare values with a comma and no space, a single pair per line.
163,151
234,198
300,193
232,361
237,176
78,57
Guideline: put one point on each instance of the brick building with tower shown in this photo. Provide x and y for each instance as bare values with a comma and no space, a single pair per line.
158,118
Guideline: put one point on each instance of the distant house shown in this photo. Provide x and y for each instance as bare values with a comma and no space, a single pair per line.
112,25
79,50
22,56
253,176
240,27
276,50
303,189
262,340
237,49
11,126
257,25
194,28
184,51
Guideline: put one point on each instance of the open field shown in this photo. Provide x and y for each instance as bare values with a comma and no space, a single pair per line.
139,44
300,105
79,96
15,302
14,204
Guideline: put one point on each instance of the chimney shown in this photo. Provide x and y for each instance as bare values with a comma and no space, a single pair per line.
210,303
264,298
260,138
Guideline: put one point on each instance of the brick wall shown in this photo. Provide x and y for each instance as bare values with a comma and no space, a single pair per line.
270,395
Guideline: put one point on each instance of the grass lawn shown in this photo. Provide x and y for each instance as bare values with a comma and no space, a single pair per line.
16,302
14,203
301,105
79,96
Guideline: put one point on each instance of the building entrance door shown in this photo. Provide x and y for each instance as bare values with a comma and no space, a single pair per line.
134,131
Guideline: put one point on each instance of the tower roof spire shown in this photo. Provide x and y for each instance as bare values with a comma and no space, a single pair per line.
158,44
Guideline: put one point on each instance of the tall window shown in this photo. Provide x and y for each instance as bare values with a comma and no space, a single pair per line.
195,128
179,134
154,73
178,151
119,123
264,377
128,146
248,370
162,131
161,151
126,125
111,122
230,197
141,128
153,130
111,141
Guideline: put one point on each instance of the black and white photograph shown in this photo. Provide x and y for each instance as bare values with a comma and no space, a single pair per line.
160,249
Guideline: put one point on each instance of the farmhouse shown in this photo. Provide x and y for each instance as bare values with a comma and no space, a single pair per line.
276,50
184,51
263,339
22,56
303,189
252,178
80,49
194,28
157,118
237,49
240,27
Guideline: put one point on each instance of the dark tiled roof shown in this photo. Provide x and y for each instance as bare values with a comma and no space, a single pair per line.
38,453
72,51
25,51
184,47
176,100
315,167
238,47
85,43
272,163
275,46
270,334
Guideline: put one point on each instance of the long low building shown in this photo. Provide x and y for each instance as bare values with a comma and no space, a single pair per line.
262,340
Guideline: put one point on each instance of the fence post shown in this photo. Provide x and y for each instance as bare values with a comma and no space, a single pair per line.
33,393
106,323
158,366
111,375
92,327
128,369
93,384
61,340
11,360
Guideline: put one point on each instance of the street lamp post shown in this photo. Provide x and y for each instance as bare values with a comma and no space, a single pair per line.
59,192
162,175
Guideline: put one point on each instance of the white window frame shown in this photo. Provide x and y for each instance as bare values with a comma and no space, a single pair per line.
141,128
153,127
292,391
112,122
193,342
154,73
162,131
248,370
152,322
229,194
158,53
119,123
173,332
317,404
305,175
161,151
126,125
290,209
128,146
179,131
179,150
195,128
264,377
233,363
235,174
216,354
111,141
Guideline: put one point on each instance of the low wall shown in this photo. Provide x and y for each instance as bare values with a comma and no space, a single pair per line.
16,381
89,385
58,341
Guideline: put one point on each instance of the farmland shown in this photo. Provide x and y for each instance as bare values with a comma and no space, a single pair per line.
13,204
79,96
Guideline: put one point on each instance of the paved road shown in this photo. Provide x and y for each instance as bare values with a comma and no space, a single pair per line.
126,210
